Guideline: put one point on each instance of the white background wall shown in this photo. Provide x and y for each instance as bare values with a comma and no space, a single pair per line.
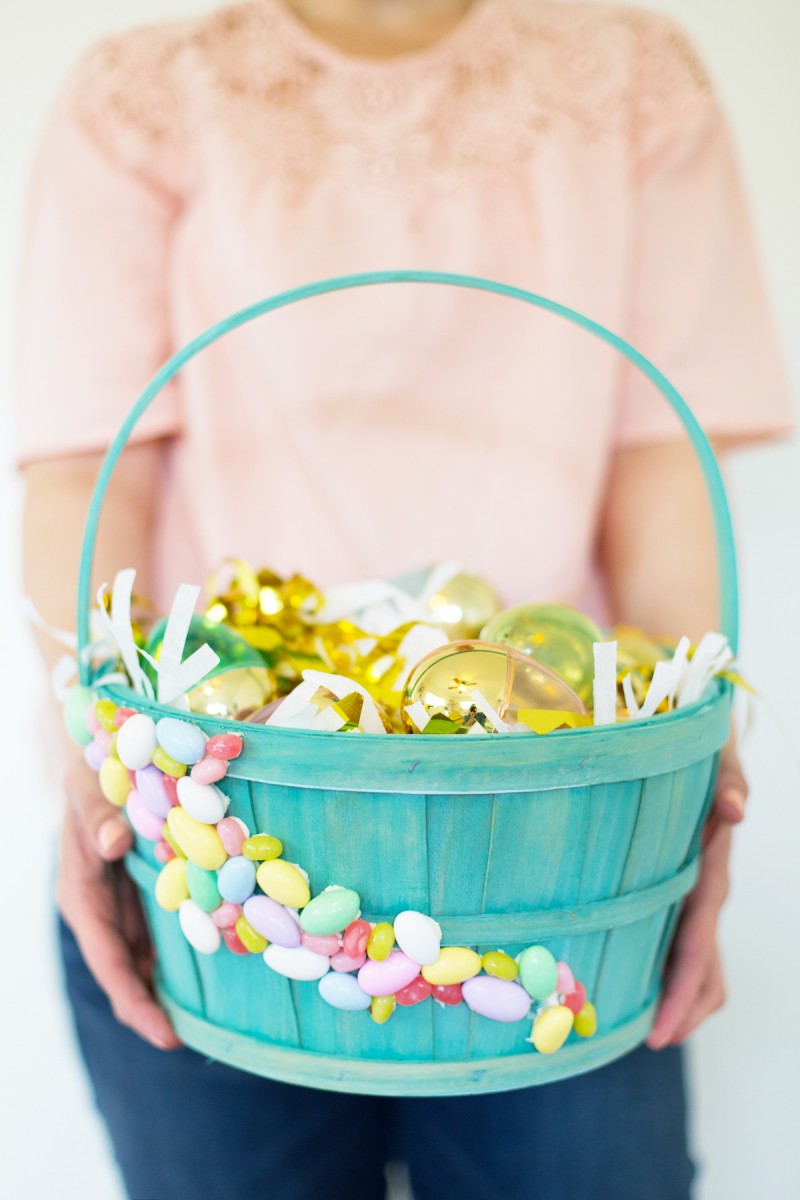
745,1062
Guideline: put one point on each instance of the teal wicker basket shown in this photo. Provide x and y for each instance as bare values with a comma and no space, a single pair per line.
584,841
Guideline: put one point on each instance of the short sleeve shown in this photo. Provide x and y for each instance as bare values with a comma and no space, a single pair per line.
93,322
697,304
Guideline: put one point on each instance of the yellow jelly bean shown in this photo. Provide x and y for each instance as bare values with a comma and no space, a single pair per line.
455,964
170,840
551,1028
284,882
104,710
262,847
171,886
586,1021
381,941
200,843
250,938
112,749
381,1008
166,763
499,964
115,782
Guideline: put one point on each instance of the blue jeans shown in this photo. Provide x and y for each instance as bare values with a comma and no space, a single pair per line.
185,1128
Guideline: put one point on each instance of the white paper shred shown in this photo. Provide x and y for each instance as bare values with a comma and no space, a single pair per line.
713,654
376,607
176,677
420,641
438,578
417,713
293,711
118,625
483,706
605,683
630,699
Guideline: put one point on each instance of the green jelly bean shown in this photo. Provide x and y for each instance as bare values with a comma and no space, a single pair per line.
75,707
538,972
203,887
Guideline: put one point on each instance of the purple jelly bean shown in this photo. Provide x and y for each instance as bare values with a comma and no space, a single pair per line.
94,755
150,786
272,921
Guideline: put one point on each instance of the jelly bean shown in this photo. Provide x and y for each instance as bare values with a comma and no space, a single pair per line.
237,879
251,938
551,1028
122,714
356,937
262,847
387,977
538,972
103,738
455,964
233,942
171,886
495,998
166,763
284,881
170,840
203,888
414,993
381,942
565,983
347,962
381,1008
171,788
105,711
92,723
136,742
225,746
231,835
112,745
202,801
146,824
78,700
418,936
94,755
297,963
499,964
150,786
163,851
342,991
447,993
331,911
226,916
576,999
182,740
322,945
209,770
200,843
586,1021
198,928
272,920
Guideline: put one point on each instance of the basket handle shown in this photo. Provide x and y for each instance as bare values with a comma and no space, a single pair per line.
726,556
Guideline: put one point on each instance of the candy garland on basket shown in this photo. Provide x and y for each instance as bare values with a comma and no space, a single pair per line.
231,887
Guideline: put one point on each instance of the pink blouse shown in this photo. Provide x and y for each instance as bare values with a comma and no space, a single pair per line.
576,150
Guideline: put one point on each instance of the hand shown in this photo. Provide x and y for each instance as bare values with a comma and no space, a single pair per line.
694,987
101,906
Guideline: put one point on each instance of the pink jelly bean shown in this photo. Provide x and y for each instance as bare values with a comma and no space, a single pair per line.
386,977
146,824
121,716
225,745
233,942
577,998
347,962
355,938
447,993
328,946
92,723
226,916
94,755
232,836
565,982
171,788
164,852
413,993
103,738
209,770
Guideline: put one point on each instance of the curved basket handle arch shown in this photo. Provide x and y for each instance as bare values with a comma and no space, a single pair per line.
726,555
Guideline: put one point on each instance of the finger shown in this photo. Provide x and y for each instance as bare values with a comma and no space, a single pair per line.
731,790
105,825
686,972
710,999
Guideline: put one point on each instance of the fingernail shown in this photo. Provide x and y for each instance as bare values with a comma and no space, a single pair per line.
112,837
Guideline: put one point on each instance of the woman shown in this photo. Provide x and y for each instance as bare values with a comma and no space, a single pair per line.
192,168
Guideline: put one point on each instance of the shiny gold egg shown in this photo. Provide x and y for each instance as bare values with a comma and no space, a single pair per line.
557,636
233,694
463,605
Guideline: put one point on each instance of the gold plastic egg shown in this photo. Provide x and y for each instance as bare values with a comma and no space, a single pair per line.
555,635
452,682
463,605
233,694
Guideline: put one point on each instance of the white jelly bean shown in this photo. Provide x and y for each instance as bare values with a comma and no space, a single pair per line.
418,936
198,928
136,741
297,962
202,801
